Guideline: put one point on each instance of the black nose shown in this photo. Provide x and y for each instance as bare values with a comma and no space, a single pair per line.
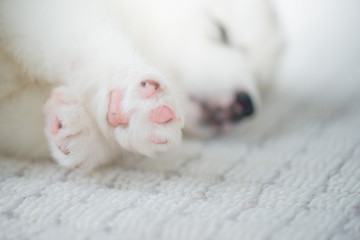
242,107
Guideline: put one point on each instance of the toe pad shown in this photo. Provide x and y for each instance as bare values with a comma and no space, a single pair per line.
116,116
162,115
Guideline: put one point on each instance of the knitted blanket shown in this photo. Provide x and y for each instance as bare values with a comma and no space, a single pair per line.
292,172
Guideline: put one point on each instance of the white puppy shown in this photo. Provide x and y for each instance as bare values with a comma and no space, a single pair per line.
126,74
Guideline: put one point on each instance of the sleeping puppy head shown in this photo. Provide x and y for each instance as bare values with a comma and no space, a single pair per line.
220,52
229,60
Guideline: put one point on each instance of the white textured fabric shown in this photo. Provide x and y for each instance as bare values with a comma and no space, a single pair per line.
293,172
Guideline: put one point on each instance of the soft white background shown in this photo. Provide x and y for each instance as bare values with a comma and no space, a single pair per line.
323,39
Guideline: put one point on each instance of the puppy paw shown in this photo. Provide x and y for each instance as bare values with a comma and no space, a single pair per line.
146,116
72,133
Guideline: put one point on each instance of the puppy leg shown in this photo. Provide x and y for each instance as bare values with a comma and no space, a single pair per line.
110,98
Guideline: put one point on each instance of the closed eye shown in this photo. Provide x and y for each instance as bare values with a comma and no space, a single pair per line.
224,37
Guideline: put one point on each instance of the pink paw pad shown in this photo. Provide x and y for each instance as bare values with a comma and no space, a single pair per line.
116,117
162,115
149,88
56,125
157,140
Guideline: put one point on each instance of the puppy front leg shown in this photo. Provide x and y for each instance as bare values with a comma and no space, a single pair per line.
109,98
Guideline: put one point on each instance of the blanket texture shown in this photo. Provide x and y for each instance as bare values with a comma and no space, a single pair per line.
292,172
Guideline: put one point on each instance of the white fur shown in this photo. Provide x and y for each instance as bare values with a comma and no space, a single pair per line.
91,47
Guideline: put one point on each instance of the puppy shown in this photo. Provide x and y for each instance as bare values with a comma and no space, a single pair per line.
105,76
